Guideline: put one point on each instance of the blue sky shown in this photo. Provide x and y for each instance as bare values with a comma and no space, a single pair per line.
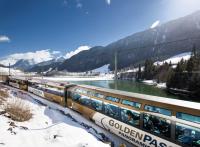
64,25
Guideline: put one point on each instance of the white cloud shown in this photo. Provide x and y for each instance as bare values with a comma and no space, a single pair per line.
79,5
155,24
178,8
4,38
108,2
65,2
78,50
33,57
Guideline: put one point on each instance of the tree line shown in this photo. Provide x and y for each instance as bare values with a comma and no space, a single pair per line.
183,78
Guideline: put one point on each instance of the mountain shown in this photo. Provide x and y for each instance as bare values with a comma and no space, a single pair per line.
23,64
46,65
157,43
28,60
175,59
54,63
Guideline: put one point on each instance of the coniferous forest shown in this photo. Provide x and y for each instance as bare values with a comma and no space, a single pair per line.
183,80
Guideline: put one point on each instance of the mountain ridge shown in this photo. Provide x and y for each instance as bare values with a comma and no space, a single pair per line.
159,43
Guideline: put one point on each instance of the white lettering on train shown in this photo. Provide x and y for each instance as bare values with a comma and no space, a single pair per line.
131,134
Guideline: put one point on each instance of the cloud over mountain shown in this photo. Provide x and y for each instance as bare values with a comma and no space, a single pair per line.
32,57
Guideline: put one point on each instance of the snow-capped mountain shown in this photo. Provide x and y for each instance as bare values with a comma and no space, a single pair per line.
39,58
78,50
31,57
27,60
160,42
56,61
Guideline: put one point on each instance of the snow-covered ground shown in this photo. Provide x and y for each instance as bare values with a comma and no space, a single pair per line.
5,71
176,59
154,83
80,78
52,125
161,85
103,69
149,82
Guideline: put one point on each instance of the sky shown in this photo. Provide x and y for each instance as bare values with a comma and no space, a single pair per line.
64,25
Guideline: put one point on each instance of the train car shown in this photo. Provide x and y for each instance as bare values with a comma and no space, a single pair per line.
18,82
52,91
143,120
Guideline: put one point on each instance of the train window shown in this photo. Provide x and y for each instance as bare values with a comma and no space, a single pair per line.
96,104
99,95
158,110
78,90
84,91
111,110
188,135
85,100
131,103
157,125
114,99
90,93
75,96
130,117
188,117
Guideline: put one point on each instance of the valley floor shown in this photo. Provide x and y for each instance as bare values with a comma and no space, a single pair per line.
78,78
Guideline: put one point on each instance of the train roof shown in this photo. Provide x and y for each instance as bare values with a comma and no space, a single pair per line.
19,78
50,83
171,101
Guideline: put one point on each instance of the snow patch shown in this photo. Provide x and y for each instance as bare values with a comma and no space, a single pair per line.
149,82
48,127
155,24
78,50
175,59
103,69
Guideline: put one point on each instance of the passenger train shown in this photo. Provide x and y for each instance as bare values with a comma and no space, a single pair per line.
142,120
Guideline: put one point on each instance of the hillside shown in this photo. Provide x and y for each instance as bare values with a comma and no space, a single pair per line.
158,43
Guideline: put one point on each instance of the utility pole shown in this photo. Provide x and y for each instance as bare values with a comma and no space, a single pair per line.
116,65
9,70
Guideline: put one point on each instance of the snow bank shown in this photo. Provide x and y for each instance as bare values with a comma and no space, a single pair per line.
154,83
161,85
149,82
48,127
52,125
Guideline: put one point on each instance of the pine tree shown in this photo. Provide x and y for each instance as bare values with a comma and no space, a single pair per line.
149,69
194,51
139,73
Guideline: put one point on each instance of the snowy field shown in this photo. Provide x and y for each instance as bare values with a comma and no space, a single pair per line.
52,125
5,71
175,59
72,78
